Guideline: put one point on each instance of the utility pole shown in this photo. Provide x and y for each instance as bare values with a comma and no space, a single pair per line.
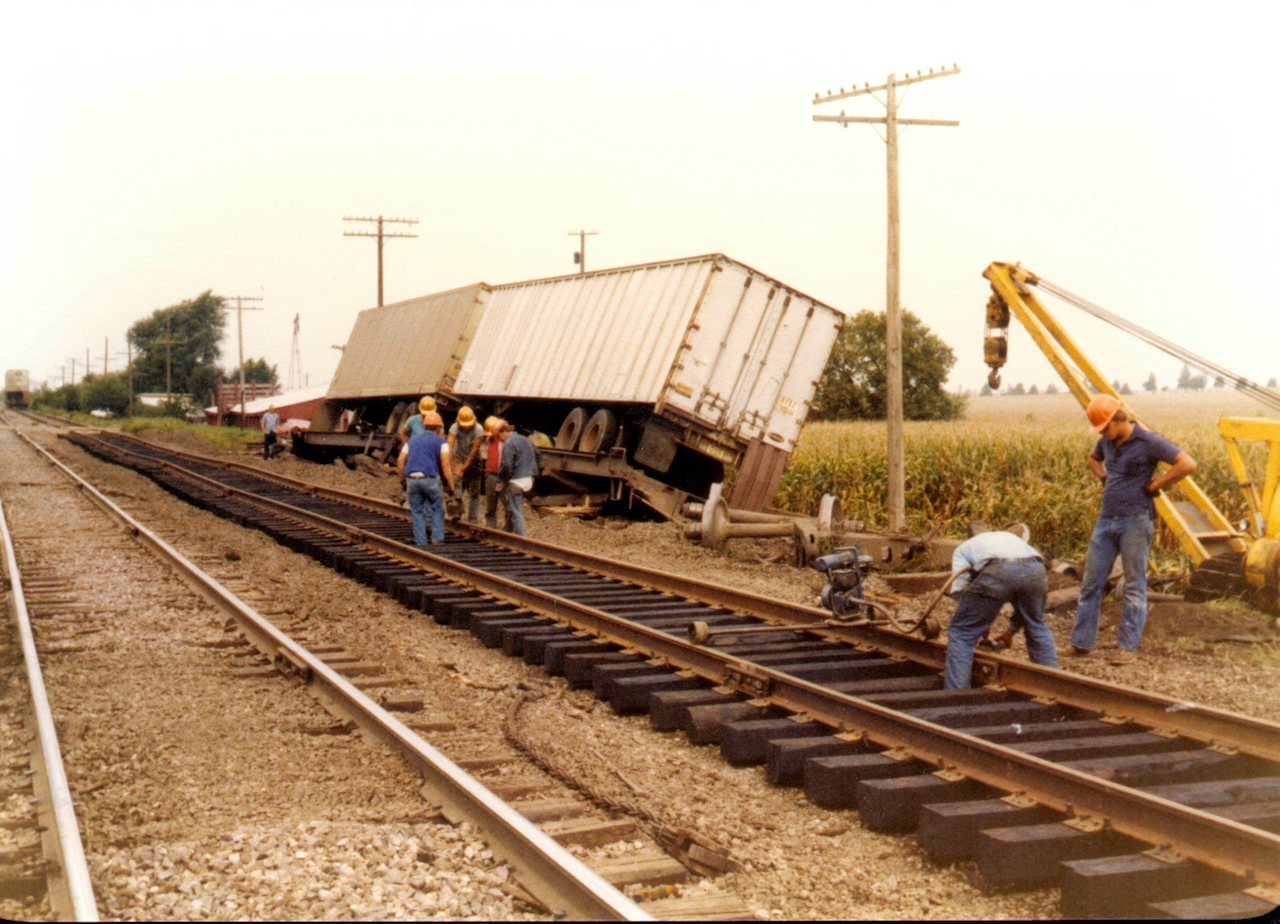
128,353
380,235
72,360
105,354
240,308
893,308
169,342
295,356
580,257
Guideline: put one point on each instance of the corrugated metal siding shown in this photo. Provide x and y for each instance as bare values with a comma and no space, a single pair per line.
604,336
410,347
731,348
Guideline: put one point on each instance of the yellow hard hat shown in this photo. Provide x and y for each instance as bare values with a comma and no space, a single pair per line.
490,423
466,417
426,405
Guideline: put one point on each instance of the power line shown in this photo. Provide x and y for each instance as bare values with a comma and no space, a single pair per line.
380,234
240,308
896,500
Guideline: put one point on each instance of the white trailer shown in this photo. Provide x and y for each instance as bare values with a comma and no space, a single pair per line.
706,358
652,378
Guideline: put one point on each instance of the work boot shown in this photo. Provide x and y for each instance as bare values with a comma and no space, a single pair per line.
1122,657
1077,652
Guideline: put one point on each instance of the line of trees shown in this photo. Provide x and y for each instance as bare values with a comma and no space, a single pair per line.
175,351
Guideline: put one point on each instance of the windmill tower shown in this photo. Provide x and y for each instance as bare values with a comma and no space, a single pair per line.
296,378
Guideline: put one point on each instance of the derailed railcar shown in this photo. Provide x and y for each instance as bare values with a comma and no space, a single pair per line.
685,366
17,388
395,354
652,378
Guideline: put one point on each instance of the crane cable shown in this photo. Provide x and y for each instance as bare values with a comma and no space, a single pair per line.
1267,396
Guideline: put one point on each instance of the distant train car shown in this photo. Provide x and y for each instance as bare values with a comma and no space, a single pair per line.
17,388
650,378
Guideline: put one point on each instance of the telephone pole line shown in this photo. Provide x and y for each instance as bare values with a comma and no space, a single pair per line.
380,234
240,308
580,257
896,500
169,343
128,352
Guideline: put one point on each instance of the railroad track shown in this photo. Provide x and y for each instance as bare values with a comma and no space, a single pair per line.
42,865
554,878
1124,797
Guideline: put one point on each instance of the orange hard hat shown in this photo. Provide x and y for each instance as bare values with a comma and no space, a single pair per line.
1100,411
432,419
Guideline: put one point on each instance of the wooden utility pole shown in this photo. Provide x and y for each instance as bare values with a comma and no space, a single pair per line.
380,234
893,309
240,308
128,352
72,360
580,257
169,342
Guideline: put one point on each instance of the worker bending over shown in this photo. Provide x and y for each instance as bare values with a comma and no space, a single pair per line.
993,569
1125,458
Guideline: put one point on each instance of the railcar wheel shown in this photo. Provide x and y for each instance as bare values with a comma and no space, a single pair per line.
601,431
571,430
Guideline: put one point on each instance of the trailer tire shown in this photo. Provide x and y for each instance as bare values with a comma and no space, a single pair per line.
601,431
571,430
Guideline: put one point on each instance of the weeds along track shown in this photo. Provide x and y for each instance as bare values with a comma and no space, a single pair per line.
544,876
1124,797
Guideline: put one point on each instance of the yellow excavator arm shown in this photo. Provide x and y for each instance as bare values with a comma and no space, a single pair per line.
1201,528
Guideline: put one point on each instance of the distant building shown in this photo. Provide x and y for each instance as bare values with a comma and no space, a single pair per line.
295,408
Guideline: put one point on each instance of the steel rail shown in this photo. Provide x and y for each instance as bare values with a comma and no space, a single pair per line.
69,886
1168,714
549,872
1211,839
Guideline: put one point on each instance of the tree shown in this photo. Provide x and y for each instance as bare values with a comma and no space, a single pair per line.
1219,382
1150,384
853,385
1051,388
1033,390
195,326
1125,389
986,391
109,391
1271,382
255,370
1018,389
1184,377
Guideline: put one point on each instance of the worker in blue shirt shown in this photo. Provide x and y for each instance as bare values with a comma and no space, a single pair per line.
516,471
995,568
1125,458
423,461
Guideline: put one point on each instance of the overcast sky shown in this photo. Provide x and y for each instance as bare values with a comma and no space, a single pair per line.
155,150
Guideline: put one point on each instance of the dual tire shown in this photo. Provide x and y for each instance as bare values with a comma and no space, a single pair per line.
587,434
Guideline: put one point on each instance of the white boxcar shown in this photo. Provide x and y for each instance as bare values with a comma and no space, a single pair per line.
716,348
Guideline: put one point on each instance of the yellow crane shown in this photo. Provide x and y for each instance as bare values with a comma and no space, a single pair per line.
1229,559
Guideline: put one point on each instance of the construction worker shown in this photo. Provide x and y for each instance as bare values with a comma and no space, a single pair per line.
413,423
995,568
491,449
465,437
516,471
424,461
1125,458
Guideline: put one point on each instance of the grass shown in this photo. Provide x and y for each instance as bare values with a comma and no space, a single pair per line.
228,439
1013,459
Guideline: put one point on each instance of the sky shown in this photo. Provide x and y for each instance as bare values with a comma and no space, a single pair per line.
1121,150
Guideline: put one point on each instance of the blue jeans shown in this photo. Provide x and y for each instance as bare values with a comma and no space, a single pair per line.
1022,583
426,499
1130,538
513,497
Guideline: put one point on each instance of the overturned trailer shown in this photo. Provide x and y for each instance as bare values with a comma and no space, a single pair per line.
651,378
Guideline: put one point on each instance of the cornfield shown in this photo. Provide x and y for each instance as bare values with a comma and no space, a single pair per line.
1033,472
